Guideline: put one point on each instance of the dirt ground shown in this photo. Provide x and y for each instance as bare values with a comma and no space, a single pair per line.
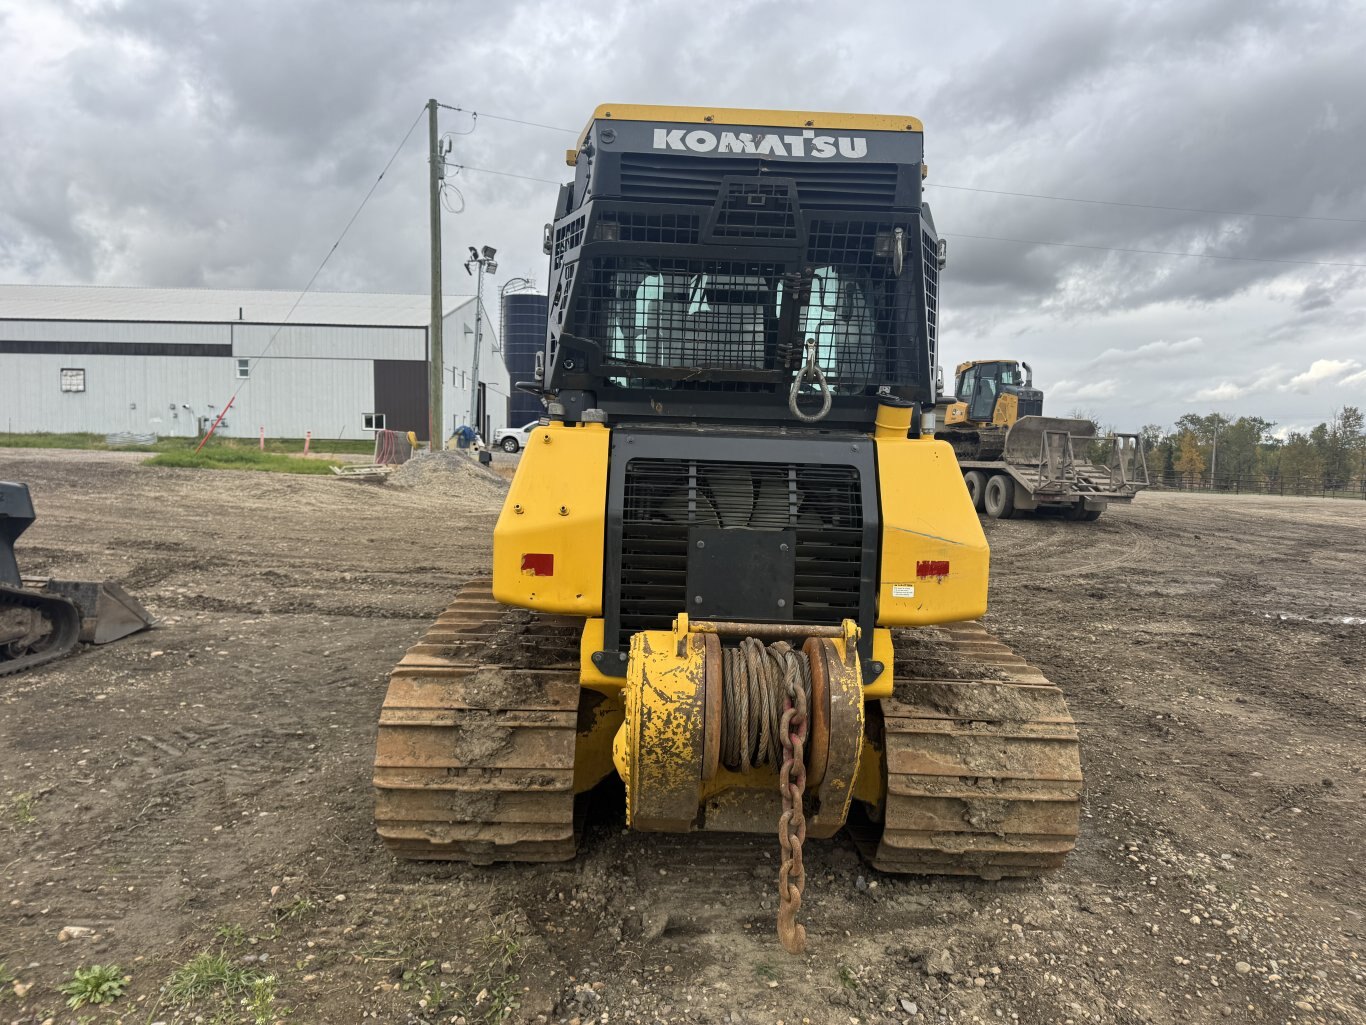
203,789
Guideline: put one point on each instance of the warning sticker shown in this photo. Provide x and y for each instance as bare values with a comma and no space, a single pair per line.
903,590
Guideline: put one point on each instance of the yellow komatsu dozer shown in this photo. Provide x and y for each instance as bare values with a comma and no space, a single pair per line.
731,569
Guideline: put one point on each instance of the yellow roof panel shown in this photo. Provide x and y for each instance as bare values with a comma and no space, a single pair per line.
745,116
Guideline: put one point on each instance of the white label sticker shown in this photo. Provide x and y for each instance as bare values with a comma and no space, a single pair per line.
903,590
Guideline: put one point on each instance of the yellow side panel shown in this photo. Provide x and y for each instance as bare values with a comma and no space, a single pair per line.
957,413
547,546
934,554
1007,411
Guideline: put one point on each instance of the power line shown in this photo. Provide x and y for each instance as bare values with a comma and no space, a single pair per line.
1149,206
511,120
388,164
507,174
283,323
1156,252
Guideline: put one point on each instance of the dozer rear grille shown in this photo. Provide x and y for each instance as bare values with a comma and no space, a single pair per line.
665,497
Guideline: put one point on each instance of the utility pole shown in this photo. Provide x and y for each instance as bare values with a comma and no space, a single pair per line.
435,362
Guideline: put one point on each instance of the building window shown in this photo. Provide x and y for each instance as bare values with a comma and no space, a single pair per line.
372,422
244,368
73,379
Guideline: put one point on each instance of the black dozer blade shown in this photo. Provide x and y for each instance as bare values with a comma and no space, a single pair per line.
42,620
107,611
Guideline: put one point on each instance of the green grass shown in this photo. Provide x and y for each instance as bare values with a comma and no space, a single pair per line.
98,984
299,907
323,446
23,809
231,934
217,458
211,973
214,984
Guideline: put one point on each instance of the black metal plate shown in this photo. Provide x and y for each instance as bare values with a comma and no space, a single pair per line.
736,573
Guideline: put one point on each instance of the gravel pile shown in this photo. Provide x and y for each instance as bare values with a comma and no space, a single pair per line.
451,475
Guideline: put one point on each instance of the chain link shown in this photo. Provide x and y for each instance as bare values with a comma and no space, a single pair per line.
792,785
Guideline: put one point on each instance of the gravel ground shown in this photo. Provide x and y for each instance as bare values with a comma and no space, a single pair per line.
202,789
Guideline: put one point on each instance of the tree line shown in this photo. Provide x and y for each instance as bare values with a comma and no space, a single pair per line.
1215,450
1219,450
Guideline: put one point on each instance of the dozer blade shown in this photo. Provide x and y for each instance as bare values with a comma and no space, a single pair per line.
108,612
1023,440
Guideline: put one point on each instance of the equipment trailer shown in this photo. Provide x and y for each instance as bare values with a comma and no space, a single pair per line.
1014,458
1059,464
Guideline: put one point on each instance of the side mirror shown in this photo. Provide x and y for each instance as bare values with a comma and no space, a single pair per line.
540,366
941,253
547,239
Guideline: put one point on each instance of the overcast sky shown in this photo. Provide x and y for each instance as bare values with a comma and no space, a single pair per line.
174,143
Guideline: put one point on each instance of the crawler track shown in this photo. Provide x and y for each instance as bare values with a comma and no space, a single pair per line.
63,621
982,767
475,754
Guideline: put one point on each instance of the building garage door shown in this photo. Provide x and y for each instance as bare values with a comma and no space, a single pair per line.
401,394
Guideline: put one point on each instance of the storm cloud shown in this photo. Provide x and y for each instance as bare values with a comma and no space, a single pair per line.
174,143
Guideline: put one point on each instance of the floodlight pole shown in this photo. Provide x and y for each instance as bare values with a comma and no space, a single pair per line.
435,363
478,345
484,257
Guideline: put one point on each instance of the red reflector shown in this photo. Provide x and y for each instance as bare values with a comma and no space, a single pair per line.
538,564
935,568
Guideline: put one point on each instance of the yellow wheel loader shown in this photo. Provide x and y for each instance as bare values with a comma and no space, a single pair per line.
1015,459
732,569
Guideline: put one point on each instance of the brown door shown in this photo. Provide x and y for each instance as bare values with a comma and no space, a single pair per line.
401,394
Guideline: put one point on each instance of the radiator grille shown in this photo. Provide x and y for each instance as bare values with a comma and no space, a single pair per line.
677,178
664,497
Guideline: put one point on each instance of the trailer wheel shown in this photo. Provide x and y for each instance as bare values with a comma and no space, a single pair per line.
1080,512
976,481
999,497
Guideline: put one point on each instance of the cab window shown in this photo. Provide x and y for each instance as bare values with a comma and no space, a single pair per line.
967,384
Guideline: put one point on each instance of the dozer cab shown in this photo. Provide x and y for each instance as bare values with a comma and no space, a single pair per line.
732,569
989,397
1015,459
41,619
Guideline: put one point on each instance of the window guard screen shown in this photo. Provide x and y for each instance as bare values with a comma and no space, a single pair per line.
746,321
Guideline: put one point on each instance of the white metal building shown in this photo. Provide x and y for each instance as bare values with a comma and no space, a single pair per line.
160,360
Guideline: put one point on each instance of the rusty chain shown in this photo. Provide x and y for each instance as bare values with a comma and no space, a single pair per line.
792,785
765,703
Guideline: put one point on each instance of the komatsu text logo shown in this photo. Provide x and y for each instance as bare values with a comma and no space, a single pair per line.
796,144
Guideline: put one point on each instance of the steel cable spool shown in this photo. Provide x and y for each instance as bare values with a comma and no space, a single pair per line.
765,721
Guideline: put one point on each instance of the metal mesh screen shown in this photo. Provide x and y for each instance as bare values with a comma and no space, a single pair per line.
664,497
759,210
642,226
568,236
930,258
752,318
